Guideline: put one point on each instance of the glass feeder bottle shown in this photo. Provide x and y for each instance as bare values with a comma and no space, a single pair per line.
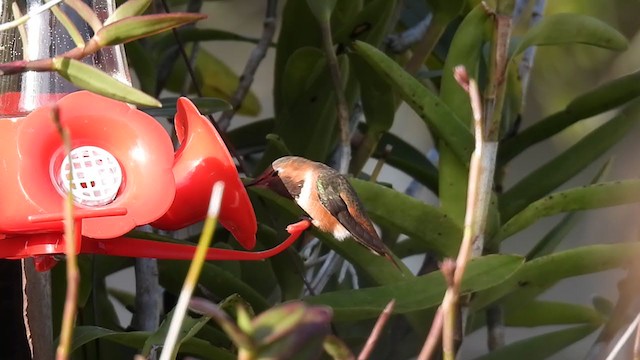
43,37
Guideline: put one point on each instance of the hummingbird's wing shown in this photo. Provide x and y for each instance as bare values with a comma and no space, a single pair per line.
341,201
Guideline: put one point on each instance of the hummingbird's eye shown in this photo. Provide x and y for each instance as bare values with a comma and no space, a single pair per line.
274,174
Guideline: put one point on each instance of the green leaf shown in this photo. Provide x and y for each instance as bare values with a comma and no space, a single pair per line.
571,28
299,29
370,25
251,138
85,334
604,98
144,66
188,329
543,272
316,106
379,108
235,333
409,160
172,274
128,9
587,197
466,50
409,216
205,105
277,322
336,348
419,293
566,165
125,298
87,77
435,113
216,80
552,239
287,266
541,346
541,313
321,9
136,27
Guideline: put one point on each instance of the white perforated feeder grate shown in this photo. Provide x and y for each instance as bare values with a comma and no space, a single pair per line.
97,176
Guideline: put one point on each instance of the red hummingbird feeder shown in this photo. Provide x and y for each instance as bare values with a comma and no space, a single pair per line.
122,171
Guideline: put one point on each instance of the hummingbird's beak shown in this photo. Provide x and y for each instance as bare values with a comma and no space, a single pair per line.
262,180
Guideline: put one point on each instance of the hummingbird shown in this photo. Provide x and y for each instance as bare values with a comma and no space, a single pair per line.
327,197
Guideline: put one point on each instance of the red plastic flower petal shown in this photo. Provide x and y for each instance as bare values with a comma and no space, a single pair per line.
133,142
201,160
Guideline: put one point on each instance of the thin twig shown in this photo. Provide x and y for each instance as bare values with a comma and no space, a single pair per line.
256,57
482,168
73,275
191,279
433,338
376,331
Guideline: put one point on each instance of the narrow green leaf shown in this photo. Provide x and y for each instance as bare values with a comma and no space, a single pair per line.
427,105
286,266
543,272
571,28
85,334
402,213
251,138
299,29
604,98
419,293
587,197
336,348
541,313
215,78
322,9
172,274
566,165
378,106
136,27
87,77
125,298
541,346
552,239
465,49
86,13
128,9
68,25
235,333
144,66
370,25
205,105
189,328
409,160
